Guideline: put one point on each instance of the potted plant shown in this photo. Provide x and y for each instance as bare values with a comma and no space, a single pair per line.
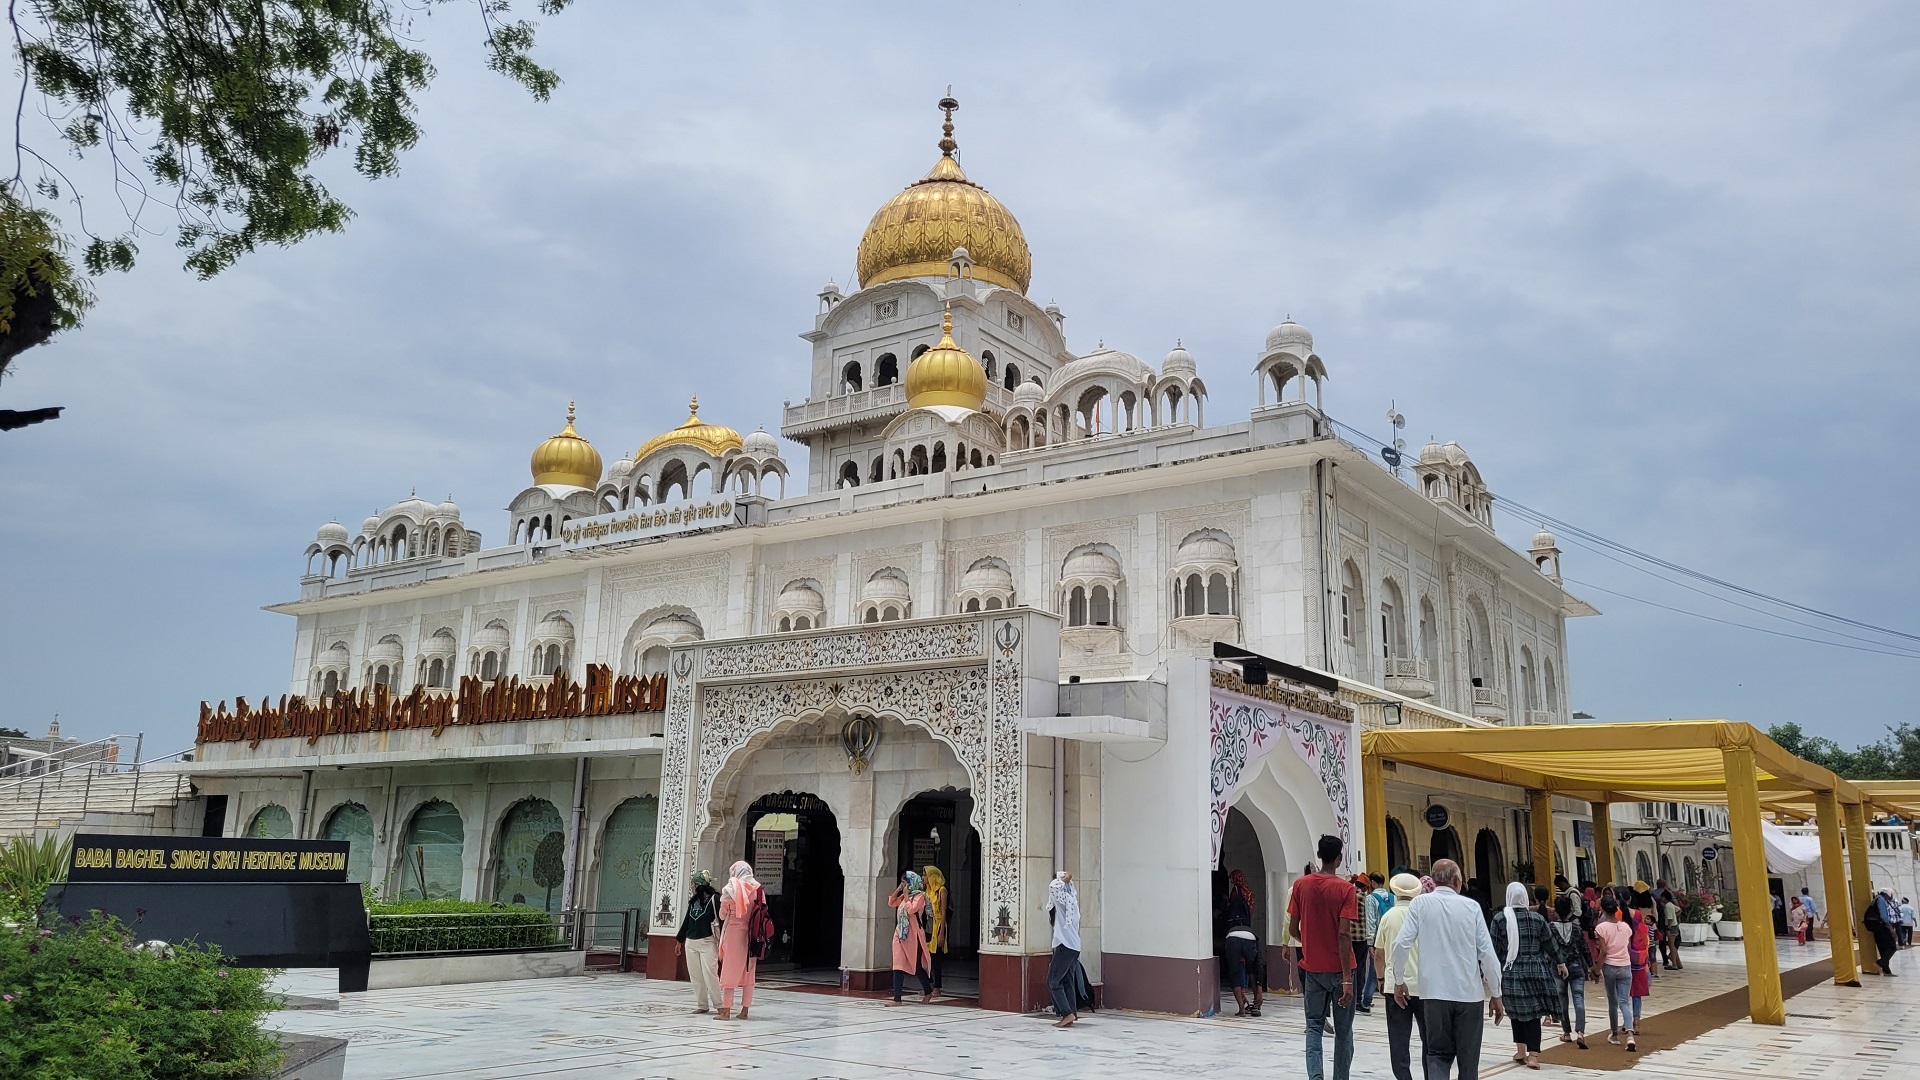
1728,926
1696,916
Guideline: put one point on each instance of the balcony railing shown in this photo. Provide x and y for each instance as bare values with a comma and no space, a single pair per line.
807,416
1541,716
1489,703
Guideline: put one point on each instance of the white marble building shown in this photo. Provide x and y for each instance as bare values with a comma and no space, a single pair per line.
980,637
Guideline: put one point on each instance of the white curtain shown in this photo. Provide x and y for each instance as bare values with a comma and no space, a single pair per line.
1787,852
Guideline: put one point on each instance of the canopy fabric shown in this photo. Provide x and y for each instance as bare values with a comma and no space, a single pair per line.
1669,761
1788,853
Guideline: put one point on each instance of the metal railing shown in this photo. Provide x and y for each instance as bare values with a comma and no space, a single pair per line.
606,937
112,796
37,763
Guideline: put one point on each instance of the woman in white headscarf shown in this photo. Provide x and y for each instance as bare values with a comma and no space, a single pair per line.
1530,961
740,901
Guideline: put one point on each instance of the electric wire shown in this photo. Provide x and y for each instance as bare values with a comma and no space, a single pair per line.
1607,548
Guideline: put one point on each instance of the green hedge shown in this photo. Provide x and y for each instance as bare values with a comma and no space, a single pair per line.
441,926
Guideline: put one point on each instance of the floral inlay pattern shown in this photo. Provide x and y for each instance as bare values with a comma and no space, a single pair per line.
1242,731
856,648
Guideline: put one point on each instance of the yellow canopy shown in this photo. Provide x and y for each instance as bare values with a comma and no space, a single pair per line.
1697,761
1667,761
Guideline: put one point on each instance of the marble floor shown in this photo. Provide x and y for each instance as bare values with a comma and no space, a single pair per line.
622,1027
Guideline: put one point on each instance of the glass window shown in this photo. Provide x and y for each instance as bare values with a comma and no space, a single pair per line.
352,823
431,858
271,822
529,866
626,858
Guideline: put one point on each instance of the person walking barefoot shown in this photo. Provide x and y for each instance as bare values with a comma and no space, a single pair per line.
1063,973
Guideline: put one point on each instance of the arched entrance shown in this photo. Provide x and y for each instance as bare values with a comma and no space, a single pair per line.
1399,854
935,828
793,843
1445,845
1489,869
1239,850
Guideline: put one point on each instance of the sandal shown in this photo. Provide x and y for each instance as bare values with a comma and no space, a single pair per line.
1580,1041
1613,1038
1630,1046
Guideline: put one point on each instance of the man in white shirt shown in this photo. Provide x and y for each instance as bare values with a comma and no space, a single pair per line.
1457,971
1401,1017
1907,920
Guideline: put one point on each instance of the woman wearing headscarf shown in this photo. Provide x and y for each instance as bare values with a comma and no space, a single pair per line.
910,955
738,902
1797,920
1640,949
1242,951
695,941
1577,957
936,883
1530,964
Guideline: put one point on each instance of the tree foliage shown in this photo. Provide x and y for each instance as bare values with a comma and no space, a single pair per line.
1895,757
214,113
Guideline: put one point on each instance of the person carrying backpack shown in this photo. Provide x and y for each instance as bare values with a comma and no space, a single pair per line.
745,933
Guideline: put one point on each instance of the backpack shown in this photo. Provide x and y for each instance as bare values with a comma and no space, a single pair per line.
760,930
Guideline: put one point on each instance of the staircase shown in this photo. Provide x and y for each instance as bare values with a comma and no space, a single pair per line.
102,797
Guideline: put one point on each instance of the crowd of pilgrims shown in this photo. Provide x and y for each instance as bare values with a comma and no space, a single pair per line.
1442,961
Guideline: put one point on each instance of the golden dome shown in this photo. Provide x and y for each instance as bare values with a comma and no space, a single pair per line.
914,234
946,375
713,438
566,460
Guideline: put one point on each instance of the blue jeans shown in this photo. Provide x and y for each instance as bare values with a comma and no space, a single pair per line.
1323,996
1363,975
1573,1007
1619,980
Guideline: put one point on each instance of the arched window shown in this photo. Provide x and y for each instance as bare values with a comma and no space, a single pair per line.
1100,606
431,857
917,350
802,623
490,666
886,370
271,822
878,472
850,474
626,856
1429,638
973,605
1011,379
1077,607
654,660
437,673
1219,598
1393,620
383,676
352,823
987,361
330,684
1550,698
786,625
873,615
1352,603
530,858
993,603
1196,596
850,378
1529,700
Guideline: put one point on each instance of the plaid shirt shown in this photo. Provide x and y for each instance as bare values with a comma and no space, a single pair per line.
1367,920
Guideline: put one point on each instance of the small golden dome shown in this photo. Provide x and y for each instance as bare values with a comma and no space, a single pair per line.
713,438
946,375
566,460
914,234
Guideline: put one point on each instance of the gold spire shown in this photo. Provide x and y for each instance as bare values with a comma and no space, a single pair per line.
566,459
946,375
914,234
715,439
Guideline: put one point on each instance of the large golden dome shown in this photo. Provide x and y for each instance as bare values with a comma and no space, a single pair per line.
713,438
946,375
915,233
566,460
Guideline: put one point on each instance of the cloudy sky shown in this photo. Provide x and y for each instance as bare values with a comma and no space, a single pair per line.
1654,265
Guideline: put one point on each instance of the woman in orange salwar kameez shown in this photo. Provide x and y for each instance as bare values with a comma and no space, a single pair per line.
910,953
737,902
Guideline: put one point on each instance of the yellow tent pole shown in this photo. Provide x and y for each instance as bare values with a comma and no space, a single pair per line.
1833,870
1373,806
1756,902
1861,873
1540,804
1603,842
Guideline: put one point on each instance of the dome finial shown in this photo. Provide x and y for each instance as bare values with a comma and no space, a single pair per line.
946,325
693,406
947,106
569,412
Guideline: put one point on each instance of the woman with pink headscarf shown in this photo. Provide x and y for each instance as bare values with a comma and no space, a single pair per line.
738,902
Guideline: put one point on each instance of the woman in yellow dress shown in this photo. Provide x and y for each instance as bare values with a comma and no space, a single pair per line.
936,884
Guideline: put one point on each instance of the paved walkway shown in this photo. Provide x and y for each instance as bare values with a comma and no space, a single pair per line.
621,1027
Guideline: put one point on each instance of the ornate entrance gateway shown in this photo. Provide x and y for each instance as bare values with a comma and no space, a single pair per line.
850,705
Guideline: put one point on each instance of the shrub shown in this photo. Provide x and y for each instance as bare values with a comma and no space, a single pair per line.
1696,905
1730,908
28,866
86,998
428,926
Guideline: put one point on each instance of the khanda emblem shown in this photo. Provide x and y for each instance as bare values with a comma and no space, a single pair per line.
858,737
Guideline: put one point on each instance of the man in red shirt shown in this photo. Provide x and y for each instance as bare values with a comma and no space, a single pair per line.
1320,915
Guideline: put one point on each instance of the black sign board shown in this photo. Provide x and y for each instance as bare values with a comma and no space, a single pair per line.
178,859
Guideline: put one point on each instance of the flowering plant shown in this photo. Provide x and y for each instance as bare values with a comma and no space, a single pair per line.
85,997
1696,905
